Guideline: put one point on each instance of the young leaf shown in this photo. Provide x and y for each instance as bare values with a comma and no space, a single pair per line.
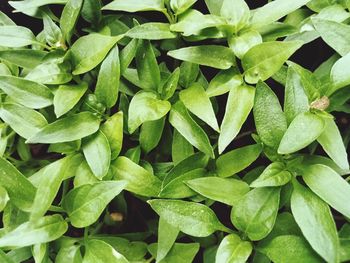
304,129
334,34
190,218
180,6
19,189
269,118
97,153
256,212
69,17
315,221
328,185
228,191
237,160
264,60
26,92
25,122
135,5
86,203
274,175
43,230
107,85
189,129
208,55
167,235
16,36
295,99
171,84
245,41
332,142
145,106
239,104
151,31
98,251
233,249
67,96
84,58
289,248
67,129
237,12
201,106
113,130
139,180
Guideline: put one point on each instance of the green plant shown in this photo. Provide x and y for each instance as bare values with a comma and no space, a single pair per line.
116,145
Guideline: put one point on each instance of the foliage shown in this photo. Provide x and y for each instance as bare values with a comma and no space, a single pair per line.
154,131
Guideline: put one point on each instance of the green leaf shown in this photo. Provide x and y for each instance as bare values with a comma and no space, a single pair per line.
25,122
113,130
223,82
91,11
135,5
237,160
177,187
239,104
234,250
4,198
180,148
50,73
52,32
270,121
189,129
328,185
179,253
167,235
180,6
190,218
145,106
151,133
127,54
147,66
228,191
316,222
26,92
335,34
264,60
208,55
339,73
274,175
140,181
25,58
201,106
86,203
290,248
245,41
332,142
236,12
67,96
43,230
171,84
275,10
84,58
256,212
68,129
97,153
98,251
107,85
69,18
151,31
69,254
28,4
16,36
295,99
19,189
304,129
